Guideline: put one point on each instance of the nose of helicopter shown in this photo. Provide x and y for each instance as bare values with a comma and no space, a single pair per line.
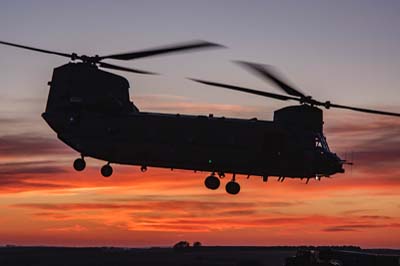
336,163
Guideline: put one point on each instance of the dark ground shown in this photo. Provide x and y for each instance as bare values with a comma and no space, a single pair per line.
221,256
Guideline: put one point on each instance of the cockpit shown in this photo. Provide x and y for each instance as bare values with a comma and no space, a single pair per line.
325,162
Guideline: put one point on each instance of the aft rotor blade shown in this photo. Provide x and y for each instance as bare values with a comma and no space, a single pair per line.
363,110
267,72
110,66
251,91
36,49
163,50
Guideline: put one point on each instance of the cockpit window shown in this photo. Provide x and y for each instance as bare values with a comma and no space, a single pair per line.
320,142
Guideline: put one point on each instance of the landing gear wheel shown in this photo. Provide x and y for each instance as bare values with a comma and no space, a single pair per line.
212,182
106,170
143,168
79,164
232,187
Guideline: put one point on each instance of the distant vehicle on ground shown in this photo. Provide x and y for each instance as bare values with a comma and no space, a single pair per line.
331,257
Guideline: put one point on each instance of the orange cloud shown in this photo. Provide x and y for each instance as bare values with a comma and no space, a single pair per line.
75,228
27,145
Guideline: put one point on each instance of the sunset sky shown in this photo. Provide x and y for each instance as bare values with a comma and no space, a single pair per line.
343,51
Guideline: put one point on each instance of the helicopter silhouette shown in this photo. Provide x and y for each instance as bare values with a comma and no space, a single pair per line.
91,111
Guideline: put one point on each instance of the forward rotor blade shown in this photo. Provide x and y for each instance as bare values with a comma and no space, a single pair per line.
267,73
163,50
251,91
110,66
36,49
363,110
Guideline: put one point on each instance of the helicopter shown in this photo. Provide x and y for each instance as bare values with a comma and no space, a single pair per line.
91,111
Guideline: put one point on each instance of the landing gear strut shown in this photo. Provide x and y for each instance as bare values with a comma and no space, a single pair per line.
232,187
212,182
106,170
79,164
281,179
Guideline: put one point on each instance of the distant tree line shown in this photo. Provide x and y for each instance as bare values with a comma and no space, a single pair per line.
185,245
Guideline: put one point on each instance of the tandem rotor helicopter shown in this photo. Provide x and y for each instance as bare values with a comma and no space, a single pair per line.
91,111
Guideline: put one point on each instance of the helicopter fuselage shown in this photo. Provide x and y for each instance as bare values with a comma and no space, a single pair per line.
90,111
201,143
